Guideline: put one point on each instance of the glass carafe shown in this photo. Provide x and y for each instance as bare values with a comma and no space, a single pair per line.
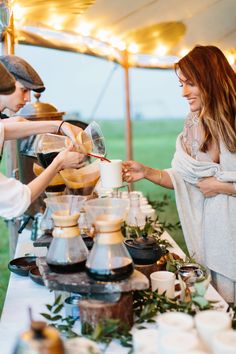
135,215
90,142
67,252
109,259
47,146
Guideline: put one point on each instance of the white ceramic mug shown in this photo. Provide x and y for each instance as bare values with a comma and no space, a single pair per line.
111,173
224,342
178,343
209,323
163,281
169,322
146,341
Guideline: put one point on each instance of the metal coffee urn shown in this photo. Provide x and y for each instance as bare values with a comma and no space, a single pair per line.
26,156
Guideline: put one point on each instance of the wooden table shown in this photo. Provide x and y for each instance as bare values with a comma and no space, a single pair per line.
23,293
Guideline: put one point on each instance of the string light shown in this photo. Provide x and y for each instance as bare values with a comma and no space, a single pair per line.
84,28
133,48
56,22
183,52
161,50
18,12
231,58
103,35
117,43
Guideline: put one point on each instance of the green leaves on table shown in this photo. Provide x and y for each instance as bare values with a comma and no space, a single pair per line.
63,324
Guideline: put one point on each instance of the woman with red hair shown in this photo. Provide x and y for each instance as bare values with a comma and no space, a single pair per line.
203,172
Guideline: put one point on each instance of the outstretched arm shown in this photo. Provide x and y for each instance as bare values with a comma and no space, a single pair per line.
17,130
134,171
65,159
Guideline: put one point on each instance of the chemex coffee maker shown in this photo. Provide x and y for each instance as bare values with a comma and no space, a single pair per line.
67,252
109,259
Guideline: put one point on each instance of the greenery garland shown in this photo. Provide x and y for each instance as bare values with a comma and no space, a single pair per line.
146,304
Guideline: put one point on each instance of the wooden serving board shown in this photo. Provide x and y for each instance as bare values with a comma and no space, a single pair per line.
81,283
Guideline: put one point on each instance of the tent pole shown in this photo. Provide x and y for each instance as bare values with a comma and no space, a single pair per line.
10,147
128,123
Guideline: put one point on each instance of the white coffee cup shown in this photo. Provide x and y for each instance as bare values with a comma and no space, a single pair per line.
111,173
224,342
163,281
169,322
146,341
178,343
209,323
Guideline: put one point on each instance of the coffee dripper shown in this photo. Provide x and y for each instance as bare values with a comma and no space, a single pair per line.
109,259
67,252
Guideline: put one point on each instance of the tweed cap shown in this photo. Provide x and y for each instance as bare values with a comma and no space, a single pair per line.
7,81
23,72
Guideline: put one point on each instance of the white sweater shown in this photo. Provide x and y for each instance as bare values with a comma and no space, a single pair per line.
15,197
209,224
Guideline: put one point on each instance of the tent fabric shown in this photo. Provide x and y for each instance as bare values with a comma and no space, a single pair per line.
176,25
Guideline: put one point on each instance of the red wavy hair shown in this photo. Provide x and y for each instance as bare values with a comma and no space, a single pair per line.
208,68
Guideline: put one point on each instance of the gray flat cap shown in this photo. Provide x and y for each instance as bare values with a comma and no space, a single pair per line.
7,81
23,72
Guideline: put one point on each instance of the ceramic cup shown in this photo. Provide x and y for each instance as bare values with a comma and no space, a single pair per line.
145,341
163,281
169,322
111,173
209,323
224,342
178,343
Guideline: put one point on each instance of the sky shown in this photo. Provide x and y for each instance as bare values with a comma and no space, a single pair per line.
77,82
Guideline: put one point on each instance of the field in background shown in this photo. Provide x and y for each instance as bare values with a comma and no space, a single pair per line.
153,145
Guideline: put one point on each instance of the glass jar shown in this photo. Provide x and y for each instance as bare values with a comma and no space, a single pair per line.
135,215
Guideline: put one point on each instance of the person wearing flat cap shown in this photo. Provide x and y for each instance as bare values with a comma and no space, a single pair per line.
7,81
26,80
15,197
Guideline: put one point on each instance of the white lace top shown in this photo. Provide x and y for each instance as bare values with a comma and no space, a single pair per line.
192,138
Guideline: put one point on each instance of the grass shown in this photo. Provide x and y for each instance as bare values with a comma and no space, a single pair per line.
4,259
153,145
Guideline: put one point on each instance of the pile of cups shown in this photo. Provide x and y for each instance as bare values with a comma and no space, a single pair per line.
209,331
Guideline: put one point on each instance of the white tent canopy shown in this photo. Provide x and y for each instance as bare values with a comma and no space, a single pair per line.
154,33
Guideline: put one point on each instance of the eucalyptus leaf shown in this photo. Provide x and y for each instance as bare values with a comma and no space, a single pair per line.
57,300
56,318
45,315
58,308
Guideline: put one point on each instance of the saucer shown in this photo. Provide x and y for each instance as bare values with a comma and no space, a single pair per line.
22,265
35,275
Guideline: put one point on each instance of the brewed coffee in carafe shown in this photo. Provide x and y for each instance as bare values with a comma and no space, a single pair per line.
109,259
47,146
67,252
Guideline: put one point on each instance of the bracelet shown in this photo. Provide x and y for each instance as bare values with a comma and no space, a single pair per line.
160,176
59,128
